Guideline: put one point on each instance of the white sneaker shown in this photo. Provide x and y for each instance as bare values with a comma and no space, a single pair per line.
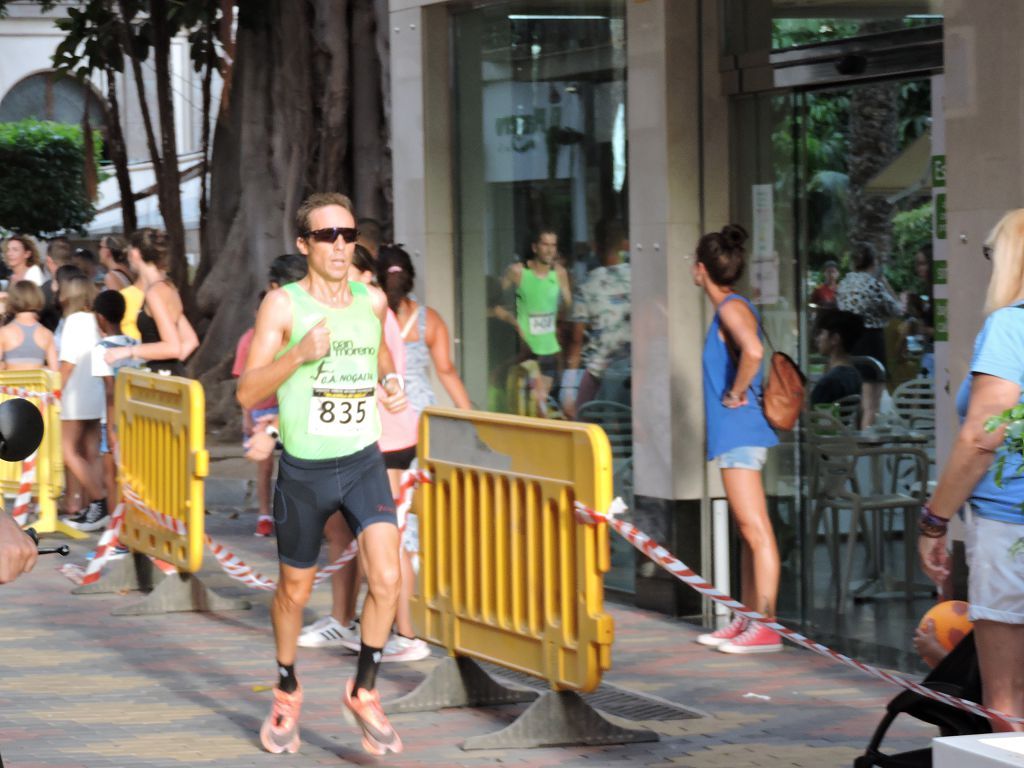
400,648
328,633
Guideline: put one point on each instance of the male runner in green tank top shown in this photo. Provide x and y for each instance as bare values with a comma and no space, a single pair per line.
318,344
539,284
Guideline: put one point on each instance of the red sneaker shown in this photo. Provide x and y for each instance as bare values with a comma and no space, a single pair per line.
264,527
729,632
379,737
756,638
280,731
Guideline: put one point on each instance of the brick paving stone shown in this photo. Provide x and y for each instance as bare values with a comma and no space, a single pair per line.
79,687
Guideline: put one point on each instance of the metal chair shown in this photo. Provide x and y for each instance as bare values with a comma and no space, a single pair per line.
914,402
835,489
616,420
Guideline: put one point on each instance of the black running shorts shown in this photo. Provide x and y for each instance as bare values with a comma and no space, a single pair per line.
308,492
400,459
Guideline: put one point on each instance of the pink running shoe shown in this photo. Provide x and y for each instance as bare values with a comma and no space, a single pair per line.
756,638
729,632
280,731
364,708
264,527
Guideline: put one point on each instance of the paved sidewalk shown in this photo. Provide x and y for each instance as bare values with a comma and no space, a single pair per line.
79,687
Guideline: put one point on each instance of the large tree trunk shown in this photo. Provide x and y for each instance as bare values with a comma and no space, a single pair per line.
287,130
168,176
119,156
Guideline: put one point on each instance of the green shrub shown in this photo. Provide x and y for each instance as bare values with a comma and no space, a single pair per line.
42,177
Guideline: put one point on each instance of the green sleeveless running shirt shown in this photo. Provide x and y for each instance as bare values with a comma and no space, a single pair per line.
536,310
328,408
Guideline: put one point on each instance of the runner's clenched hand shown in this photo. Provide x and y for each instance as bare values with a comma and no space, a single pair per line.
316,343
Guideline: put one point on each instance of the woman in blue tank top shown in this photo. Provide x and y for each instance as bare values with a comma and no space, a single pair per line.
738,434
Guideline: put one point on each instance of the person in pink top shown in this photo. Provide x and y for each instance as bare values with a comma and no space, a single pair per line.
283,270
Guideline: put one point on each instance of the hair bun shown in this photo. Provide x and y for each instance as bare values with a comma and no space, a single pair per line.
734,235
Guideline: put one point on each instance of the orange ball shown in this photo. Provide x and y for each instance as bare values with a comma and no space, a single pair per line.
951,622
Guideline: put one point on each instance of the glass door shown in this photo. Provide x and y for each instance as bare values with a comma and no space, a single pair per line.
833,185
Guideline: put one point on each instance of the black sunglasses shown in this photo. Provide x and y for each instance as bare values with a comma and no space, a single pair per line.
330,234
986,251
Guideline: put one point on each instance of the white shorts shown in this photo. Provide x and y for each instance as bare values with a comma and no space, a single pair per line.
995,556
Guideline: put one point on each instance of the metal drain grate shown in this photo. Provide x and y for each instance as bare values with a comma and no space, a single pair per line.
608,698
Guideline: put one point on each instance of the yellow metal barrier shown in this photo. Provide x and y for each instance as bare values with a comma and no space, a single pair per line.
507,574
161,424
49,484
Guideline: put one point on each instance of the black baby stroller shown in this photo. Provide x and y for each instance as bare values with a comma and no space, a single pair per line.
957,675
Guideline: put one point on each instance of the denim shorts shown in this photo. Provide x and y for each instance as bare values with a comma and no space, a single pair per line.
995,556
744,457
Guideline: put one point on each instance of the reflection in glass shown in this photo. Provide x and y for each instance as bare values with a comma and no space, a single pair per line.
543,254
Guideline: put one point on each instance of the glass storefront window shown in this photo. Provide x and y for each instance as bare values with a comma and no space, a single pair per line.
816,201
542,204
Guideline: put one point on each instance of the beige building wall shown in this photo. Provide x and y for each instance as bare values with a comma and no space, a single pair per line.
984,110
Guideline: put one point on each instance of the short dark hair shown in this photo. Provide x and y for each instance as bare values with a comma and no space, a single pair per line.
59,249
723,255
315,201
864,257
541,231
608,233
288,268
110,306
846,325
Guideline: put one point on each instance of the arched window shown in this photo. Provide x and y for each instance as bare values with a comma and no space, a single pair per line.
50,96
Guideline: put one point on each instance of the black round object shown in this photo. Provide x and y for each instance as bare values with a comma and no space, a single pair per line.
21,429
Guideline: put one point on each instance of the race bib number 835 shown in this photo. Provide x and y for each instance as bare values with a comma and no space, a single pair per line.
340,412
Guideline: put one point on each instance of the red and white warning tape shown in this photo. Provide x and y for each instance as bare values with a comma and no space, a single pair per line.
232,565
45,398
23,501
681,571
106,546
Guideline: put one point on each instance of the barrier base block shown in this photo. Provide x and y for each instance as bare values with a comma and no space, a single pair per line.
559,719
181,592
458,681
131,573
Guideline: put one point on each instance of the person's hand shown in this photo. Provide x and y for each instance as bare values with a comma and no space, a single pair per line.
732,400
934,558
316,343
260,445
116,354
927,644
17,551
394,398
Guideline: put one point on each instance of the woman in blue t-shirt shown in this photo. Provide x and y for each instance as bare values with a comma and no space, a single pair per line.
995,526
738,434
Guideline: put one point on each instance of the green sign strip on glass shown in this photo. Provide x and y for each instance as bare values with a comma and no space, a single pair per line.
938,170
941,271
940,216
942,319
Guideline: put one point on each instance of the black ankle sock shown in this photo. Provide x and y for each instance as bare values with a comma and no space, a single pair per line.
286,679
366,668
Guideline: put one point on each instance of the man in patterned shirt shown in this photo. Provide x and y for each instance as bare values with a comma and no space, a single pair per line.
601,312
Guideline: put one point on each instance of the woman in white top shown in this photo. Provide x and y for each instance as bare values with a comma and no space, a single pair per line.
82,402
22,257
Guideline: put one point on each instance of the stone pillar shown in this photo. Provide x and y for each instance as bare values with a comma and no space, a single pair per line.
421,147
984,115
678,171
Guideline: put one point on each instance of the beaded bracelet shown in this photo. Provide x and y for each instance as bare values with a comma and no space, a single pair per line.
931,525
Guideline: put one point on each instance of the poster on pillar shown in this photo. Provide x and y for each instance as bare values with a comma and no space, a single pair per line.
764,265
